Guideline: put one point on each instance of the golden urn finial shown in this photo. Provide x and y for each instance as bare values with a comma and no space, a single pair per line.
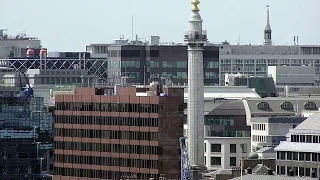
195,4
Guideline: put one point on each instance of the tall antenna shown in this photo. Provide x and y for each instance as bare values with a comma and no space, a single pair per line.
132,23
239,38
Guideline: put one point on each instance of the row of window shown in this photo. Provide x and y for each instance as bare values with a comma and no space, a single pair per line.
174,64
106,120
297,171
211,75
114,148
109,107
130,64
175,75
228,134
259,127
178,75
270,61
298,156
258,138
216,161
131,75
165,64
287,106
107,134
220,121
106,161
216,148
305,138
73,172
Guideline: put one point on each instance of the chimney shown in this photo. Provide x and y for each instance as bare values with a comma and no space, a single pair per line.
249,170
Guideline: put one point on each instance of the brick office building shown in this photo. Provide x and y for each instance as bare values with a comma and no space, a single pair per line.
118,137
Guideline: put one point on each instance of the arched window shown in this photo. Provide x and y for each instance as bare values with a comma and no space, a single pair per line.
263,106
310,106
287,106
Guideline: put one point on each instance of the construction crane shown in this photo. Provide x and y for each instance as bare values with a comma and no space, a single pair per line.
27,90
186,171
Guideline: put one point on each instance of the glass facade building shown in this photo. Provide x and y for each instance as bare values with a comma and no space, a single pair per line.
23,124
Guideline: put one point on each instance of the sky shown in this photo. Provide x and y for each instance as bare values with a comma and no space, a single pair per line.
68,25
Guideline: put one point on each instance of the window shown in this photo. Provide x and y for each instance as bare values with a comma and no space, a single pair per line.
233,161
314,157
287,106
210,75
244,148
205,147
233,148
289,156
215,161
263,106
310,106
215,147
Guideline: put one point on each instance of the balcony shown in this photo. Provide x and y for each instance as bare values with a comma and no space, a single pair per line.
195,36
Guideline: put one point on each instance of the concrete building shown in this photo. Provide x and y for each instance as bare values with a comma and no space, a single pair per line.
279,106
62,77
14,46
118,137
293,75
269,131
300,154
255,59
227,135
147,62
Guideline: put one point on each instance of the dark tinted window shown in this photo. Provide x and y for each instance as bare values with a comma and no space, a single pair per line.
154,53
130,53
210,54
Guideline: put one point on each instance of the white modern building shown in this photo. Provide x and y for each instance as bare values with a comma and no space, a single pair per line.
293,75
269,131
300,154
225,152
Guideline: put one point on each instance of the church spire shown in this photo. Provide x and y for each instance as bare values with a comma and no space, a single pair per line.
267,30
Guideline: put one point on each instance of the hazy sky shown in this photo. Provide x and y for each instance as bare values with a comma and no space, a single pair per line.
68,25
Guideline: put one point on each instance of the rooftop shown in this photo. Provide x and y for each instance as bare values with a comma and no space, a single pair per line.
271,177
298,147
311,123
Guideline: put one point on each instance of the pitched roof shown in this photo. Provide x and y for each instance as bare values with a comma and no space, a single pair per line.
311,123
260,169
275,105
235,107
266,150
